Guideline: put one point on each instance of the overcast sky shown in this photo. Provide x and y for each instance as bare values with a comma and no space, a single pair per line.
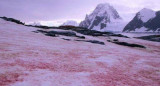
58,11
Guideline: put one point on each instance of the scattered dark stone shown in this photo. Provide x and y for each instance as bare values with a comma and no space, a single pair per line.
67,26
42,31
109,40
64,33
89,32
35,31
92,41
82,30
50,34
55,33
81,37
42,27
129,45
155,38
115,40
66,39
85,31
119,35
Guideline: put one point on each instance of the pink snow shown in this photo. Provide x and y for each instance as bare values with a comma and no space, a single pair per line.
33,59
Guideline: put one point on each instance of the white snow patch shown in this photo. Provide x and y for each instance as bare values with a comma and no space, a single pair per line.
147,14
142,29
110,59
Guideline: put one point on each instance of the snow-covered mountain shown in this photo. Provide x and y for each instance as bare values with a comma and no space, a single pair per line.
103,18
145,20
70,23
34,23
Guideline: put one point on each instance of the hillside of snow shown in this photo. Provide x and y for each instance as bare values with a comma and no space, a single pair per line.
28,58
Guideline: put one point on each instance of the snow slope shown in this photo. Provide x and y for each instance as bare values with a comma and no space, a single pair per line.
33,59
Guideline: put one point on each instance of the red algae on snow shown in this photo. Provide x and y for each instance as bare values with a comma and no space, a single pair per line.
9,78
33,59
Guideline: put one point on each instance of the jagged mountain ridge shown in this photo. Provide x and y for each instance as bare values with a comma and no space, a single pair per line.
145,20
102,17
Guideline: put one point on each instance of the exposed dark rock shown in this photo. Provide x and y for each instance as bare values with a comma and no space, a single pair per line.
35,31
42,31
12,20
97,21
132,25
56,33
119,35
129,45
92,41
152,24
50,34
155,38
64,33
83,31
109,40
103,25
67,26
66,39
115,40
81,37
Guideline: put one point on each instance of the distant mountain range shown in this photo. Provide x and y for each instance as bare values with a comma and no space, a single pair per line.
35,24
145,20
70,23
106,18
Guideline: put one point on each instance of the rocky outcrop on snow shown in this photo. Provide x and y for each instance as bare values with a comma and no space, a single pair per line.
145,20
12,20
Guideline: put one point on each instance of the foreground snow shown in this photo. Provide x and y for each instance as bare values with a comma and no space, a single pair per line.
33,59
